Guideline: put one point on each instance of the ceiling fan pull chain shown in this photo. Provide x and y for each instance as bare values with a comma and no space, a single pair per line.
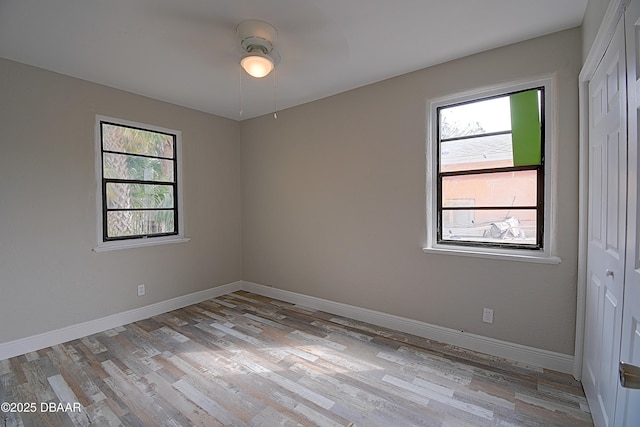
240,91
275,96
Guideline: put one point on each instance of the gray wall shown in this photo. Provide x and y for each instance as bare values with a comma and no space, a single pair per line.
591,23
49,276
332,198
334,203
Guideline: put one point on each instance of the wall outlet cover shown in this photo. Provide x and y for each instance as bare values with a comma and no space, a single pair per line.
487,315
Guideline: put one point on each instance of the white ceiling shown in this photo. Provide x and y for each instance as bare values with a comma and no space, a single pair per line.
186,52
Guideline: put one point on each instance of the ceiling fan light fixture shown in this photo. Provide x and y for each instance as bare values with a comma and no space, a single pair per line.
257,64
256,40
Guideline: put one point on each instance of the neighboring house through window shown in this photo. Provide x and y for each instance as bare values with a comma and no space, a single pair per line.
488,182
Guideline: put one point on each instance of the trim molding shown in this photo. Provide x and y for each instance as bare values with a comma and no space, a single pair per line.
515,352
59,336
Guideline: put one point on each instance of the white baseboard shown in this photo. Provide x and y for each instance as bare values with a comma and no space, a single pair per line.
516,352
59,336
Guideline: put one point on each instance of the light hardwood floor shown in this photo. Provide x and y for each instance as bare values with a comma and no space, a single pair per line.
246,360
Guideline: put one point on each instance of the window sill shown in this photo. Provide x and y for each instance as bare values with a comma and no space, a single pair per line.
138,243
512,255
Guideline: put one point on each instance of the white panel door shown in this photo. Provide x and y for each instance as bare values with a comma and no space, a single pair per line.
606,230
628,408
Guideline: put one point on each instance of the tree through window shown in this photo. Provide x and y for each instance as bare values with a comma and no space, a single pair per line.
139,182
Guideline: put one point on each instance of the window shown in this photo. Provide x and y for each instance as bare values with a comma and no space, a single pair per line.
139,194
488,183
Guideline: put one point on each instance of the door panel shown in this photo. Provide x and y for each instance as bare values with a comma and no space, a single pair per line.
606,230
593,340
610,349
628,405
615,215
597,211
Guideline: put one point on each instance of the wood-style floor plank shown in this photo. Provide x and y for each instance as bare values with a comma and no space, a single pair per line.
248,360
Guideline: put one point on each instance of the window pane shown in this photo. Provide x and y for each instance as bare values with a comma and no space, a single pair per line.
526,127
475,118
502,226
139,223
504,189
482,152
136,141
122,166
133,196
475,139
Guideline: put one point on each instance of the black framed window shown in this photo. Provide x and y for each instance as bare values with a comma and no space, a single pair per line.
139,182
490,171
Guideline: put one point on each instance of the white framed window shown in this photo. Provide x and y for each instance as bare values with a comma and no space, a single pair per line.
139,197
489,173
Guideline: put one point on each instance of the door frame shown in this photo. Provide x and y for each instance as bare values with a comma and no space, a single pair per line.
615,12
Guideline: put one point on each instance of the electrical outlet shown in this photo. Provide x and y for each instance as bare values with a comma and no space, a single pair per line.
141,290
487,315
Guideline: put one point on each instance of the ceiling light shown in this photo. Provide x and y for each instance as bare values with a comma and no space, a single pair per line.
256,40
257,64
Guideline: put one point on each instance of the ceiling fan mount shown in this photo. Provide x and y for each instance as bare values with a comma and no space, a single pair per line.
258,38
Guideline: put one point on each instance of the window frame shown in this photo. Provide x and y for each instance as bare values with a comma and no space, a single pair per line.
105,243
544,252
